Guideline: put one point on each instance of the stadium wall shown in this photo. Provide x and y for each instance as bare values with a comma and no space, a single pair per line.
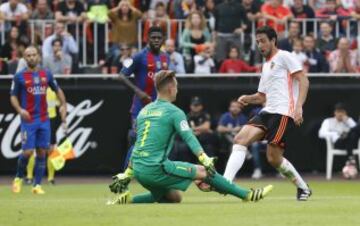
99,118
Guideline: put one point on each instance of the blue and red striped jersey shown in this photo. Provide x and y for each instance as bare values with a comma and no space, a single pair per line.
144,65
30,87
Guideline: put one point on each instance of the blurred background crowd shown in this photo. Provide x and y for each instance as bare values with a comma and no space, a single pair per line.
203,36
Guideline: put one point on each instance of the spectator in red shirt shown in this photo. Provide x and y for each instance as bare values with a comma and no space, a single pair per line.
235,65
276,15
343,59
332,11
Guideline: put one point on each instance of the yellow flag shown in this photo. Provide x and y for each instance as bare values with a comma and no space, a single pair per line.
62,153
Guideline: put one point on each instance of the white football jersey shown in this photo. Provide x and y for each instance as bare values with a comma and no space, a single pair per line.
277,83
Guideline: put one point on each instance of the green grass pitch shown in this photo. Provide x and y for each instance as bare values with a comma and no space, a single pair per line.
333,204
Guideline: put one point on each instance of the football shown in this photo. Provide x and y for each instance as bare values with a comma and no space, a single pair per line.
349,172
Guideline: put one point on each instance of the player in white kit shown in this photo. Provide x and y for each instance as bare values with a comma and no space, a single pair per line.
283,88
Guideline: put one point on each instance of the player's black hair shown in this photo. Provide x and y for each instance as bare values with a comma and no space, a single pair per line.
56,40
155,29
269,32
340,107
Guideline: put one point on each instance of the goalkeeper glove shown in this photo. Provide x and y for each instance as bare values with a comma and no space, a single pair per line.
208,163
121,181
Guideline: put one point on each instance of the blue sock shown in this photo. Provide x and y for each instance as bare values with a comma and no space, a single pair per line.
21,165
39,169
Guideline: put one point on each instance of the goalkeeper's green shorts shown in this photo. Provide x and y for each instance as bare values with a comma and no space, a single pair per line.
172,175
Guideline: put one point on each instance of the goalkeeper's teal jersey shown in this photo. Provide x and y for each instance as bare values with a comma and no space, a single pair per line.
157,125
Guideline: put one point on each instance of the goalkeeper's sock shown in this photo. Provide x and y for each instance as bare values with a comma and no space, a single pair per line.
224,186
50,170
289,171
235,162
30,167
39,169
143,198
21,165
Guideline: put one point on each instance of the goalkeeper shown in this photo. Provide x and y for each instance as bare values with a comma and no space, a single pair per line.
157,124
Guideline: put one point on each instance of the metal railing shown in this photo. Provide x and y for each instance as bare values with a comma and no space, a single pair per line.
43,28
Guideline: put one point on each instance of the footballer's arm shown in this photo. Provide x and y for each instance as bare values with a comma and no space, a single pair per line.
138,92
303,90
257,98
62,109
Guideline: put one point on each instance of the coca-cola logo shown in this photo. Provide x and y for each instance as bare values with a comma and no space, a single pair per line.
78,134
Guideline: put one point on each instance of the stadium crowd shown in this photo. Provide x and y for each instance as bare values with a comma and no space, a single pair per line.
213,35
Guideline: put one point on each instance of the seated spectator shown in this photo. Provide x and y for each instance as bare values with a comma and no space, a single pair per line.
125,54
69,46
160,19
14,13
58,62
176,59
332,11
299,54
42,12
317,4
326,42
230,24
195,38
294,34
12,50
276,15
71,12
303,11
316,61
124,19
204,63
341,130
343,59
235,65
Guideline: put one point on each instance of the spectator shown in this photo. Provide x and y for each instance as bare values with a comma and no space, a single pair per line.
42,12
58,62
276,15
71,12
125,54
235,65
355,11
302,11
204,63
294,34
341,130
69,46
253,14
332,11
14,13
344,60
176,59
195,38
12,50
187,7
209,14
230,23
317,4
200,123
299,54
317,62
326,42
124,19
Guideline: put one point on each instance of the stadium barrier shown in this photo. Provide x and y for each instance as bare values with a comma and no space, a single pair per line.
99,116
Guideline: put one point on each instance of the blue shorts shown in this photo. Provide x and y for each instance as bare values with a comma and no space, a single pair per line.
35,135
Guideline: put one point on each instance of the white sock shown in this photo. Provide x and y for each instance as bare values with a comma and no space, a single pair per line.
289,171
235,162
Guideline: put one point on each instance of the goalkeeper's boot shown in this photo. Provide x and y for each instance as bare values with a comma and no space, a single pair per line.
17,184
259,193
37,190
303,194
123,198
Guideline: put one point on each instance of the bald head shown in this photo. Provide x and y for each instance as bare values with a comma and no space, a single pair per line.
31,56
170,46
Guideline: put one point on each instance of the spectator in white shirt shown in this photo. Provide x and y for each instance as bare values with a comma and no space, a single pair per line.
14,13
58,62
204,63
176,59
341,130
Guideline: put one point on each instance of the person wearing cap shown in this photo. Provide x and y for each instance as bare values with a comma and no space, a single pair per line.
342,131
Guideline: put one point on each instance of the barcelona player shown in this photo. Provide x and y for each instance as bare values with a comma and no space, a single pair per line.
28,97
144,65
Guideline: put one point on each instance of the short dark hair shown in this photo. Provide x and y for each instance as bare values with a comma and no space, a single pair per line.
159,4
155,29
163,78
269,32
340,107
56,40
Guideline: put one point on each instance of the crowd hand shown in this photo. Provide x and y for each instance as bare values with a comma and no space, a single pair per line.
208,163
121,181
